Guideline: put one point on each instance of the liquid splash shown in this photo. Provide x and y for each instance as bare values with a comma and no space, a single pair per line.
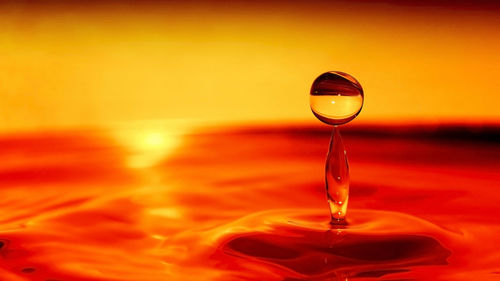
337,178
244,205
336,98
306,248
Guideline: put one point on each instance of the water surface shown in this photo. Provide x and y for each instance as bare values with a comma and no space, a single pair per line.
164,202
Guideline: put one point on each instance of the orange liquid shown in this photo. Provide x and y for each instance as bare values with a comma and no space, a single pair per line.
247,204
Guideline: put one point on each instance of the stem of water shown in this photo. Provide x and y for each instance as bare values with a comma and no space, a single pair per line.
337,178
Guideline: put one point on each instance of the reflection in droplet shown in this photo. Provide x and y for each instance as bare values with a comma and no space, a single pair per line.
336,97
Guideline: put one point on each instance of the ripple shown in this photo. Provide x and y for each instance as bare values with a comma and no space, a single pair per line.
302,244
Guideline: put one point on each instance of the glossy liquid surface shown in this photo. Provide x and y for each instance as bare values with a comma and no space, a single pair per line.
336,97
156,203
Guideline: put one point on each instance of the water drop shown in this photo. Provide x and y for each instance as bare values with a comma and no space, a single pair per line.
336,97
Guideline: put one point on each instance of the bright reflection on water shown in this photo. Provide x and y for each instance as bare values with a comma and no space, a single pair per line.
150,142
159,201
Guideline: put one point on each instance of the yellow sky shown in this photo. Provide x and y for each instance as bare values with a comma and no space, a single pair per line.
84,67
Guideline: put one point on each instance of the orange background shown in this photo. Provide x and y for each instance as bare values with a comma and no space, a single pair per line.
66,65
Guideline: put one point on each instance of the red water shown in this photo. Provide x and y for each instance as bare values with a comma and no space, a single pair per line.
160,202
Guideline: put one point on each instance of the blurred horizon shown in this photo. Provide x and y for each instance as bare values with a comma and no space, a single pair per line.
88,64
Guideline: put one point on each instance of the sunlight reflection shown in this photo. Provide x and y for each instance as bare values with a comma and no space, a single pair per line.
150,142
173,213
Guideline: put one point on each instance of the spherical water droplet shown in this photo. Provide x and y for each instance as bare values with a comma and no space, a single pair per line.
336,97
